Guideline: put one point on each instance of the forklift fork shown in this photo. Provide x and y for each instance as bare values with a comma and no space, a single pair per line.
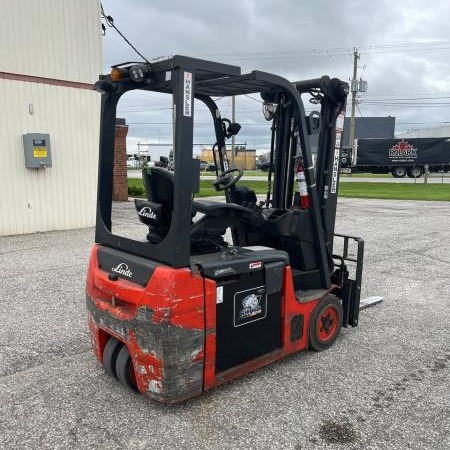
349,289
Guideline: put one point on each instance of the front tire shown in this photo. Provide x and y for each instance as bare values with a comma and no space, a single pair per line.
325,323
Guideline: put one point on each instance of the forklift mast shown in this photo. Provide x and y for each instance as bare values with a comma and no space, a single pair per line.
288,142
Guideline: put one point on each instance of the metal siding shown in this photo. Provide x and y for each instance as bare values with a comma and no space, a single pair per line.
58,39
63,196
51,38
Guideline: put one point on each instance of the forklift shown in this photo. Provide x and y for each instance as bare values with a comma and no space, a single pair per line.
183,308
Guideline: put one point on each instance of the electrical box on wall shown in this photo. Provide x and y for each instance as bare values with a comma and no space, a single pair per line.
37,151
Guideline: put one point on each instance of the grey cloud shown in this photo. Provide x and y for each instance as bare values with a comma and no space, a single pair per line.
280,36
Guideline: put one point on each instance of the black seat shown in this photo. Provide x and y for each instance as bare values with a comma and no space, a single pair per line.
159,186
207,232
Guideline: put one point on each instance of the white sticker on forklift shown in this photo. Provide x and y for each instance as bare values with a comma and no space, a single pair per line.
187,104
340,121
335,171
337,144
255,265
219,295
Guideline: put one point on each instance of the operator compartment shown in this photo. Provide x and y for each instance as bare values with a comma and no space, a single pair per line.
249,284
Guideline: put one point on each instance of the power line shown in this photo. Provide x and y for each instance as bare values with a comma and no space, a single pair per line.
337,51
110,22
419,123
406,105
412,95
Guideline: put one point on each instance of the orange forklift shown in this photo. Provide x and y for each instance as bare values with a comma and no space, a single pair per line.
184,309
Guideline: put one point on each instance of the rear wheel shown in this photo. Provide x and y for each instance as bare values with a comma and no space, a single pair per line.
325,324
124,369
415,172
398,172
110,353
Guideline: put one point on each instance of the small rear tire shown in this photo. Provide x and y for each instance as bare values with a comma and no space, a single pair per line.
325,323
124,369
110,353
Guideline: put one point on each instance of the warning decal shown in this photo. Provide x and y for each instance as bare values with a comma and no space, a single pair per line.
40,152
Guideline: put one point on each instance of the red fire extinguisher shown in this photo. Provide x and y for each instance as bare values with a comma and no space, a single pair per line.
302,187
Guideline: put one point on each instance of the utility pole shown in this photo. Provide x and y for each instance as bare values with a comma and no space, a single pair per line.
233,111
354,89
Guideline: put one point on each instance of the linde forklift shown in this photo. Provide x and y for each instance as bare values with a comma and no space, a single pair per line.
181,310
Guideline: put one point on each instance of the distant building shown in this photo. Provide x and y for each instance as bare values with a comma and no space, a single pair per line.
51,54
369,128
365,128
244,159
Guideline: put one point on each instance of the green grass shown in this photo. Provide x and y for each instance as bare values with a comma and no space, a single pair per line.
366,175
396,191
389,191
250,173
207,189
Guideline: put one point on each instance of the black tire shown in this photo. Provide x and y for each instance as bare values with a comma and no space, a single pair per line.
325,324
415,172
110,353
124,369
398,172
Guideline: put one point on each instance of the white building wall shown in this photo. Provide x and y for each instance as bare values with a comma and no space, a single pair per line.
51,38
62,196
58,40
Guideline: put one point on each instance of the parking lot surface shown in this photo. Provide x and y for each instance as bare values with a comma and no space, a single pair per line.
383,385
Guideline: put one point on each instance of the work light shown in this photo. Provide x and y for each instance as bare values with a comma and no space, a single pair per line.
137,73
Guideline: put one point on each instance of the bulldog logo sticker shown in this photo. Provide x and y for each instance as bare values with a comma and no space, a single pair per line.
250,305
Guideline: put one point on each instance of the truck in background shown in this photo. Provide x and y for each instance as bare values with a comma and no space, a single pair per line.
399,157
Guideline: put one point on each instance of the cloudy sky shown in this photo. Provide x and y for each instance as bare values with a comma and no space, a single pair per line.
404,51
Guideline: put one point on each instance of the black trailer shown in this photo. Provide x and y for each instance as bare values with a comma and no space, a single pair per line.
399,157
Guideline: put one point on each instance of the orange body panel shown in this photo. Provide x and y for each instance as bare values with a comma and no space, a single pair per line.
169,327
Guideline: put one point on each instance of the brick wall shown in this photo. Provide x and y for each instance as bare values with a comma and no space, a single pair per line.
120,183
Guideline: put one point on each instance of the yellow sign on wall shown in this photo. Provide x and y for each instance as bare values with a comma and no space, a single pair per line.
40,152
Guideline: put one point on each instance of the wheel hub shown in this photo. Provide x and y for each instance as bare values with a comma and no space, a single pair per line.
327,323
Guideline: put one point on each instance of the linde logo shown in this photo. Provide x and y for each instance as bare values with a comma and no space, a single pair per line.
146,211
403,148
123,269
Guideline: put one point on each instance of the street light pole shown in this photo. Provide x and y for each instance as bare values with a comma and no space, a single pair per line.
233,111
354,89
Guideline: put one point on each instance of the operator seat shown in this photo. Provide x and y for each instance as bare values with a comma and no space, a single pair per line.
158,185
206,233
156,212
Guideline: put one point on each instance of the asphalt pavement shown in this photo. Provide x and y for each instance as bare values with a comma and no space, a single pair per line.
383,385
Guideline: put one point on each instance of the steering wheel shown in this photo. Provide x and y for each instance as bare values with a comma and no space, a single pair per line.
224,182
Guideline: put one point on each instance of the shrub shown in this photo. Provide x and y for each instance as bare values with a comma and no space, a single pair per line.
135,191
